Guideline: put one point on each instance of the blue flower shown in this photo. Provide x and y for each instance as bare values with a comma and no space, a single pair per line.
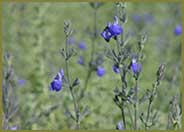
56,84
100,71
136,67
21,82
119,126
82,45
80,60
178,30
137,18
148,18
112,30
116,69
71,40
13,128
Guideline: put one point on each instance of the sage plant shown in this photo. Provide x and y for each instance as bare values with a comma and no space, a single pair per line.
128,63
10,103
63,78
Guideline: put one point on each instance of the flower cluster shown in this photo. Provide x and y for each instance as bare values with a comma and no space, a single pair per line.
112,30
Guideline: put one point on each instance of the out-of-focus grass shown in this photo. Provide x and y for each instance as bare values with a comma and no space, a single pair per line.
37,62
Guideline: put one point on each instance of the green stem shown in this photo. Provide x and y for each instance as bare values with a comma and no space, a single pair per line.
85,84
94,35
123,89
130,114
123,116
136,106
92,55
71,88
148,115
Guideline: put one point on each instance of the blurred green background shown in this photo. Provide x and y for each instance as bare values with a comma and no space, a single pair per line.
33,33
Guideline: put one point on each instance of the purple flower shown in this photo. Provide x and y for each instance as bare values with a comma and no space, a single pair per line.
71,40
178,30
80,60
149,18
13,128
137,18
112,30
136,67
21,82
119,126
100,71
116,69
82,45
56,84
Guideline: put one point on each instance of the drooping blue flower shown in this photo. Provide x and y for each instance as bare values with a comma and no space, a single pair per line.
119,126
178,30
82,45
100,71
136,67
80,60
21,82
112,30
116,69
56,84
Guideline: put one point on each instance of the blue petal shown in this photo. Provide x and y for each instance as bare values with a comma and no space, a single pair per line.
120,126
82,46
56,85
115,30
80,60
100,71
136,67
116,69
106,34
178,30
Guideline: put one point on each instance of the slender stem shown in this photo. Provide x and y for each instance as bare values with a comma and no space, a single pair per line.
76,109
148,115
71,88
123,89
123,116
85,84
122,35
94,34
92,55
149,105
136,106
66,61
130,114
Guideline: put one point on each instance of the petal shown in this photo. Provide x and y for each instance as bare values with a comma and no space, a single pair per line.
106,34
100,71
115,20
56,85
115,30
116,69
62,72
